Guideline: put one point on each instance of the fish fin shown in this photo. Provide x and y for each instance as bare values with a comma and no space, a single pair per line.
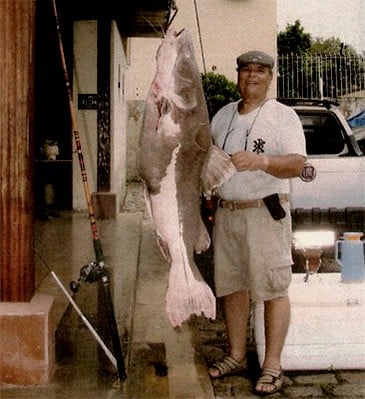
147,199
186,296
187,102
203,242
164,248
217,170
161,243
154,156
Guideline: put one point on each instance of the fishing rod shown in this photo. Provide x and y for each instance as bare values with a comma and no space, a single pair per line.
94,271
79,312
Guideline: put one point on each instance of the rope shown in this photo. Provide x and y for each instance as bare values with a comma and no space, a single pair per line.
200,36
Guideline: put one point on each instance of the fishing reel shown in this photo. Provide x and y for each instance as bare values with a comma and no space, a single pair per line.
88,274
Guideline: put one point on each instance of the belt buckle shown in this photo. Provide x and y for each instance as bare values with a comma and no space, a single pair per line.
232,206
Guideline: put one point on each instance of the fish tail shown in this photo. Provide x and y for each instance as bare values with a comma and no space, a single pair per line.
187,299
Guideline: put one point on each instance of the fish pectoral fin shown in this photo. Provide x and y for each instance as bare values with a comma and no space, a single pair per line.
203,242
164,248
186,101
154,157
147,199
162,244
218,169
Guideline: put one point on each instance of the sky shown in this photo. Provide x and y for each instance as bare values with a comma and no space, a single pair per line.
344,19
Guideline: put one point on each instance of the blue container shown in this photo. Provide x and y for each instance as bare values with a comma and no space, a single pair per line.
349,254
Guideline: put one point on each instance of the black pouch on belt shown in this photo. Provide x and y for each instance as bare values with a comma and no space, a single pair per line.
273,205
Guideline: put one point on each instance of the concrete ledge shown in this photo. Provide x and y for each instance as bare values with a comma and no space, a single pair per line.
27,341
104,204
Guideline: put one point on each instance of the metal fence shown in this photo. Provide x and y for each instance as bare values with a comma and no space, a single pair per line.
320,75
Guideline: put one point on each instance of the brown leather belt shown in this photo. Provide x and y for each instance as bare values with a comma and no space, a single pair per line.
255,203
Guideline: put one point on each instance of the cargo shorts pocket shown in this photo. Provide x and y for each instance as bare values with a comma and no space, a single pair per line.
280,278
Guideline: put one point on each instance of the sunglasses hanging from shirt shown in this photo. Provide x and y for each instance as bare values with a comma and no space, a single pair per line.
248,131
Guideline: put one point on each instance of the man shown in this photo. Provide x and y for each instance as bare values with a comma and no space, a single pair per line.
252,233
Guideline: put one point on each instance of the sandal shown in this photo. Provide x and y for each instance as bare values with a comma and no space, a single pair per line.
227,366
268,377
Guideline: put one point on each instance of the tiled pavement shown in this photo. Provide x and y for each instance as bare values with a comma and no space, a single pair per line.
162,363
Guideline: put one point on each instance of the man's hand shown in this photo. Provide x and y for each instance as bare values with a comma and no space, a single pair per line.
247,160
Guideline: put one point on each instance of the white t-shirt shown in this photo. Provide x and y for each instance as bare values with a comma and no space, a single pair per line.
272,129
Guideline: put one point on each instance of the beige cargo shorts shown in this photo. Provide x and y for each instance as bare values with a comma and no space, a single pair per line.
252,252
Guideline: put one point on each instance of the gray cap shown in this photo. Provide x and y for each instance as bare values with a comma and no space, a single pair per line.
255,57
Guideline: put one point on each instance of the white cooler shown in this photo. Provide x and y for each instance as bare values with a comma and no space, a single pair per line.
327,327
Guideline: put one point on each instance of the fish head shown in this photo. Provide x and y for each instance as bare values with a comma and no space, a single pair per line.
176,69
175,44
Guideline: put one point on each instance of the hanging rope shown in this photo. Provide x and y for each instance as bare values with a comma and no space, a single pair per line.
206,83
174,8
200,36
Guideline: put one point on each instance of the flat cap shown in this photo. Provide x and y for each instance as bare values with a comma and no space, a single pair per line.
255,57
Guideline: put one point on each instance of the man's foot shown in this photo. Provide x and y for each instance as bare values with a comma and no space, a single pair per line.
270,381
227,366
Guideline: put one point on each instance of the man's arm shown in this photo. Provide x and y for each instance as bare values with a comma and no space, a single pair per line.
283,166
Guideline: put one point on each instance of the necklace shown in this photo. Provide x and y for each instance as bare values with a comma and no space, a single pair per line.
248,131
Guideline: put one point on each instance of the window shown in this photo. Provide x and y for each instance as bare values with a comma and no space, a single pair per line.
322,131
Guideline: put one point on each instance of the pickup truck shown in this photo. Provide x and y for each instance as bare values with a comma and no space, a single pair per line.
332,195
329,198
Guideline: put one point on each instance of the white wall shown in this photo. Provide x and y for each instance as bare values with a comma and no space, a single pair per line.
85,82
118,115
228,28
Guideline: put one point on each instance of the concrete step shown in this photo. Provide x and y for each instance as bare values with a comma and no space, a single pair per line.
163,361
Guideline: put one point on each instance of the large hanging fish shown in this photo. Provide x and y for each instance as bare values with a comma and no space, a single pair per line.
177,162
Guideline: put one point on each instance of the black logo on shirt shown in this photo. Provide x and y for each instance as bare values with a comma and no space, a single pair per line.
258,146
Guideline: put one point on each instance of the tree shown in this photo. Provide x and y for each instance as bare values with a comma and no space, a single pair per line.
218,91
332,45
313,68
293,40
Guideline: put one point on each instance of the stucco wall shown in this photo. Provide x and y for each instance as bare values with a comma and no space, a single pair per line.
118,116
350,106
85,82
135,112
228,28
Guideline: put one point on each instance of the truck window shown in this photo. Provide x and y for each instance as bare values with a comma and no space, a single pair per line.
322,132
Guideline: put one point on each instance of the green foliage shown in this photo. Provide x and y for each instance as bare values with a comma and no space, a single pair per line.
293,40
309,68
218,91
333,45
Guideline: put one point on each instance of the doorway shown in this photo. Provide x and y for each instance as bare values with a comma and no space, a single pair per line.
52,122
